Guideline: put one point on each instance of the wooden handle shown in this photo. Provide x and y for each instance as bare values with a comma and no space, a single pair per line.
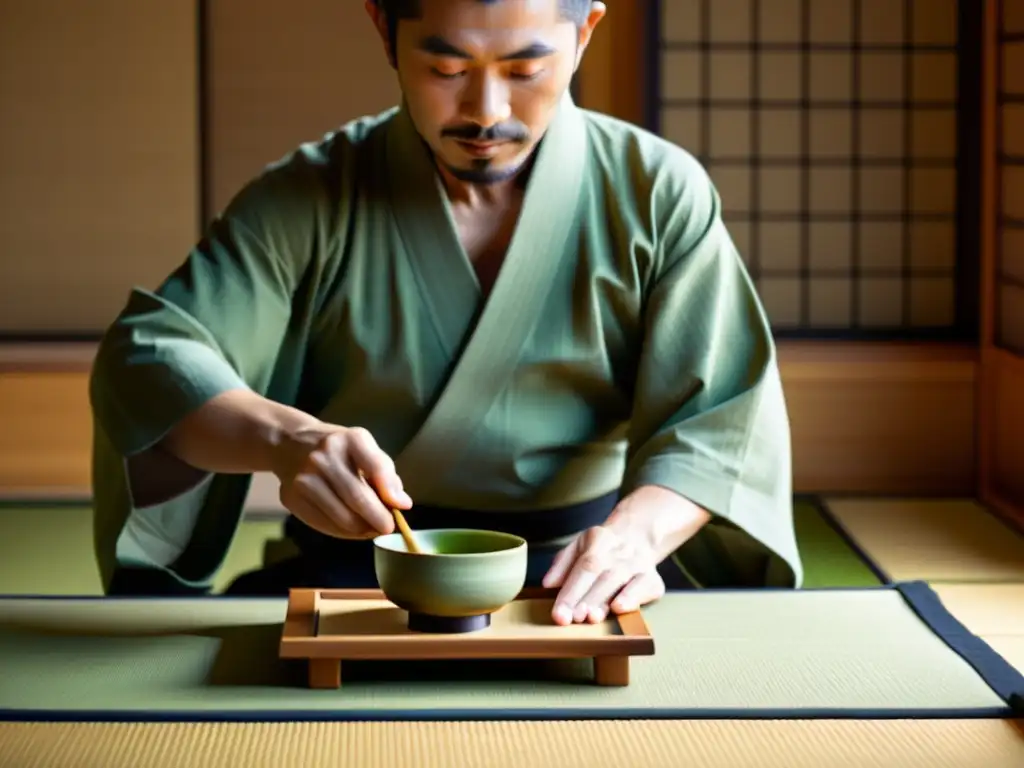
406,531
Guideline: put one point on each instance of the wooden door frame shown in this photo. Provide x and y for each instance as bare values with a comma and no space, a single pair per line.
614,66
1000,402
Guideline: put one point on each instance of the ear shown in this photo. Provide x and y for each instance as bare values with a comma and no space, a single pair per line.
380,22
597,12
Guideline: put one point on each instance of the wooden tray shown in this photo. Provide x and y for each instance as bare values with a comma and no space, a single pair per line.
327,626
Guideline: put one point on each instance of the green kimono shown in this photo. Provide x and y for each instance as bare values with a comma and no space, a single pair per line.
623,344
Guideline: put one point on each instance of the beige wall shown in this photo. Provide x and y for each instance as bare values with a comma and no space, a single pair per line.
98,155
101,160
281,73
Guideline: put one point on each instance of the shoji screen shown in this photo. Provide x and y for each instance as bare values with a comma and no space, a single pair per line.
99,156
831,130
1010,295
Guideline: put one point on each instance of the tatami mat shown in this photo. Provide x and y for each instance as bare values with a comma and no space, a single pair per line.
935,540
34,537
828,559
767,654
985,609
994,612
48,550
615,744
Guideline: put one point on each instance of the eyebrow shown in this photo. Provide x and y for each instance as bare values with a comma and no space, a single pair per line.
438,46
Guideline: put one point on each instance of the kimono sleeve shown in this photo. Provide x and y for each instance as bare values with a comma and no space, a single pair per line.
710,420
215,324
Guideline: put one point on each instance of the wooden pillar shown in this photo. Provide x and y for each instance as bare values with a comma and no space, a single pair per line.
1001,374
613,71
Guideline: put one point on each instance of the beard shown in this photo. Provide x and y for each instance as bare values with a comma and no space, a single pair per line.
483,171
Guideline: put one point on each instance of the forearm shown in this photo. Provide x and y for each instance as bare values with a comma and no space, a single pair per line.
236,432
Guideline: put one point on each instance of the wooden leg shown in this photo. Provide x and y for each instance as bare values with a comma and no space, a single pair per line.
324,673
611,670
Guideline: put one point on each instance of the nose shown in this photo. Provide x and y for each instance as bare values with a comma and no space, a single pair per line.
486,100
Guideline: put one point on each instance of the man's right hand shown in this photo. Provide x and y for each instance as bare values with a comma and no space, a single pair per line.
335,479
338,481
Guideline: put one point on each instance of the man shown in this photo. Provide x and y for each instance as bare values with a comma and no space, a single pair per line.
487,307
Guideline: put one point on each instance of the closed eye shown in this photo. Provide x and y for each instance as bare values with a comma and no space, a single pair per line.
446,75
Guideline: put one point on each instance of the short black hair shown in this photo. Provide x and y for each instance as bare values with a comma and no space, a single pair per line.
575,11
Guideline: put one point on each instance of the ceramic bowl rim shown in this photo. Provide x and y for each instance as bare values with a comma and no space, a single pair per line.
518,541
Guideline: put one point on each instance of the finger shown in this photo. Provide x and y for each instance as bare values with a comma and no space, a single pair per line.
594,604
561,564
642,589
592,560
363,500
315,490
308,513
577,584
378,468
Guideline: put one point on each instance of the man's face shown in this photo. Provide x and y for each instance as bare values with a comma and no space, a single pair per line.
482,80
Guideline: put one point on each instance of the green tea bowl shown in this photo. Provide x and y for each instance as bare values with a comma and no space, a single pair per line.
459,579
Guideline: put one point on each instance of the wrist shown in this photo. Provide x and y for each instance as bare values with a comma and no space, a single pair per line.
663,518
277,431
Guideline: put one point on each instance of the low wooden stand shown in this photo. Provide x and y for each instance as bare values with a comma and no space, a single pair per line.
325,627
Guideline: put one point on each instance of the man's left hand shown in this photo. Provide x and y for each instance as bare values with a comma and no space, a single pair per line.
613,567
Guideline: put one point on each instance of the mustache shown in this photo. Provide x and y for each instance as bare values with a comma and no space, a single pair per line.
501,132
